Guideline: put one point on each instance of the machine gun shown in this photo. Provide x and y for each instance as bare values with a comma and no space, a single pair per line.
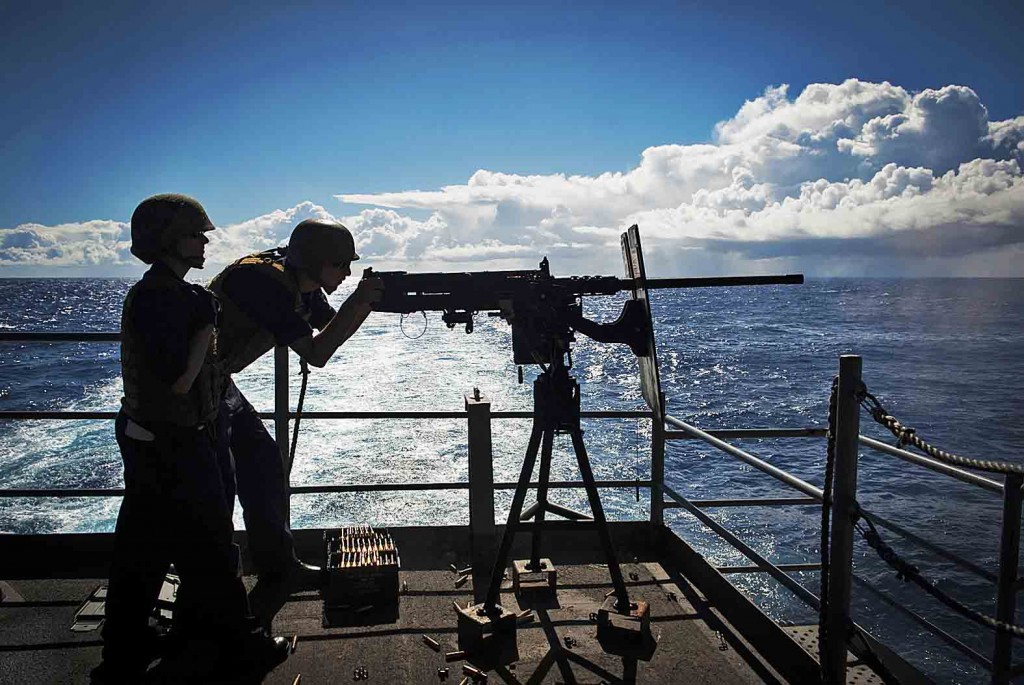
543,310
545,313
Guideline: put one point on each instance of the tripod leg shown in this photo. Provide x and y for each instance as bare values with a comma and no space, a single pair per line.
542,497
508,538
621,594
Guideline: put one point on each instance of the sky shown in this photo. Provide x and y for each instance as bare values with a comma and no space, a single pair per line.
875,139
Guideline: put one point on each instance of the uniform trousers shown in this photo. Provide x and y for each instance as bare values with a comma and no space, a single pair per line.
176,509
261,481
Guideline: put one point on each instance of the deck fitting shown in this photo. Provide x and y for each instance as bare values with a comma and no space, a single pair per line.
625,633
488,635
526,577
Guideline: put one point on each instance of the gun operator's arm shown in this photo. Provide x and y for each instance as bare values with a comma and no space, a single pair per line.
318,349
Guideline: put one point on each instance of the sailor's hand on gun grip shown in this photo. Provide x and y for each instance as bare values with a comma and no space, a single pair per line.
369,291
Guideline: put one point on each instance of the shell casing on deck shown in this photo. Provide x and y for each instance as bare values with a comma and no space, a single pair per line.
362,567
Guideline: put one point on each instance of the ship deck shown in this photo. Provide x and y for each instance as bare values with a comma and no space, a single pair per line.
48,577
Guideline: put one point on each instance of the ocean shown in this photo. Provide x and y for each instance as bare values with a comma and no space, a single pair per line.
943,355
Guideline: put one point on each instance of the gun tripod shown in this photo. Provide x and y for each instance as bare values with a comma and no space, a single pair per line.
556,399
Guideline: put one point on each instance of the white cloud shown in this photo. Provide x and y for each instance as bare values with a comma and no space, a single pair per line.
228,243
840,170
869,163
92,243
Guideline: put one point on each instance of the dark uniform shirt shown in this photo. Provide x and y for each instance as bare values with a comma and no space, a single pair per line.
165,323
269,304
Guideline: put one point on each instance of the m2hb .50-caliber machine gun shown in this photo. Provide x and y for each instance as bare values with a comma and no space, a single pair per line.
545,312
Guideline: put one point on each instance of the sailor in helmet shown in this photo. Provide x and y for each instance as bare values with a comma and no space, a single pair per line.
178,497
278,297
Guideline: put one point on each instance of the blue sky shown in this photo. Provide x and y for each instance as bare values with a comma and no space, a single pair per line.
258,110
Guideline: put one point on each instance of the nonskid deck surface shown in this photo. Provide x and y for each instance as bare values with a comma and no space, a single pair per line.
37,644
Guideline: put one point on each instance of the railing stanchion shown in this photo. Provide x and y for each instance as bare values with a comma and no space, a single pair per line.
281,416
1006,593
481,492
844,502
657,470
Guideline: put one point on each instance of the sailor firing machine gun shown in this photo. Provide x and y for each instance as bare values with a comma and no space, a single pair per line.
545,313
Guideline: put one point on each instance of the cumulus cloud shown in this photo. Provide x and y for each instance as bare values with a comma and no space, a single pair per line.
102,247
869,165
812,181
92,243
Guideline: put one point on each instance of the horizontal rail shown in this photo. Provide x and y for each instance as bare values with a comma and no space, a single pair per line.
740,433
609,414
749,502
777,473
335,488
939,467
788,568
925,623
74,415
796,588
62,415
81,336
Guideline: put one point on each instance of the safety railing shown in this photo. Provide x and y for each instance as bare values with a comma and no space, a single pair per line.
282,416
845,511
481,487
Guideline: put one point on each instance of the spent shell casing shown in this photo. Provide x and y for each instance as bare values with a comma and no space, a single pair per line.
455,656
461,581
453,567
295,639
470,671
432,643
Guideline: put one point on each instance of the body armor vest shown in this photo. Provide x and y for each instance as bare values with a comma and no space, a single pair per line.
240,340
149,399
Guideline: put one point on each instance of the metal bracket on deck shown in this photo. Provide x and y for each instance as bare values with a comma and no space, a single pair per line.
526,577
488,636
625,633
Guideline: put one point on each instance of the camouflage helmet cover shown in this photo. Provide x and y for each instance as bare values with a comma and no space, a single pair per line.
317,242
159,221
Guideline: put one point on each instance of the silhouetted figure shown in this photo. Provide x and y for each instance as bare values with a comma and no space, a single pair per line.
278,297
178,488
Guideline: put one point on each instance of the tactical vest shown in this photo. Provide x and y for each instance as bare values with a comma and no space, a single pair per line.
148,399
240,340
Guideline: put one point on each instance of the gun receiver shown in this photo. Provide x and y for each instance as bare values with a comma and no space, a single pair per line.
543,310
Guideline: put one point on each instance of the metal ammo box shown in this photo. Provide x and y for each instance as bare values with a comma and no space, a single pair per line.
362,568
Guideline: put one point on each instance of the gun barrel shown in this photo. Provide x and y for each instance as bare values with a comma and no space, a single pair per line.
718,281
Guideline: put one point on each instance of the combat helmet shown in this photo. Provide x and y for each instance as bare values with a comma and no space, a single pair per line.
317,242
160,221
